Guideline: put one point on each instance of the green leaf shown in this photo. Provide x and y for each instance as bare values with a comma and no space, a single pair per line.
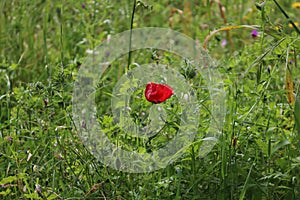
5,193
32,196
11,179
279,145
13,66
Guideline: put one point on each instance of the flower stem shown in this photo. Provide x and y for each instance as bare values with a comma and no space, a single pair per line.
130,39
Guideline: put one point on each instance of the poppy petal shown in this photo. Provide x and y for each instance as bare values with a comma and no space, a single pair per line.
158,93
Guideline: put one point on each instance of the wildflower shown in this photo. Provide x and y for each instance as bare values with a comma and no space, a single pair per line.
224,43
158,93
107,21
278,28
291,26
83,6
254,33
296,5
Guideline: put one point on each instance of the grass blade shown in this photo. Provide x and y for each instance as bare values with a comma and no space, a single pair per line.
297,114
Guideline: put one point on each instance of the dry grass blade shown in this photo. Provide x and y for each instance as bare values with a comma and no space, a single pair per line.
171,17
186,18
226,28
289,85
55,194
93,189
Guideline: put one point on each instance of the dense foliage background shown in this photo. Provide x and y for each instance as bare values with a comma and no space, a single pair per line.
42,46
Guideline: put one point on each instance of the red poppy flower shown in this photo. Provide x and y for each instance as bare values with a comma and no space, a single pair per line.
158,93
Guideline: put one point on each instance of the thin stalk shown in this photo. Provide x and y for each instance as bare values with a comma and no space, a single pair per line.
61,35
209,9
223,165
49,73
130,39
242,195
287,17
8,93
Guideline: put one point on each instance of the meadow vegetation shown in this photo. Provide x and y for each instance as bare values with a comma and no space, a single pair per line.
256,46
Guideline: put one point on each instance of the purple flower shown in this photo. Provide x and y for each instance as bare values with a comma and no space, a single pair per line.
83,6
224,43
254,33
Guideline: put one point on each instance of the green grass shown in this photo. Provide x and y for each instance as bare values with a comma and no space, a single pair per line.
42,46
